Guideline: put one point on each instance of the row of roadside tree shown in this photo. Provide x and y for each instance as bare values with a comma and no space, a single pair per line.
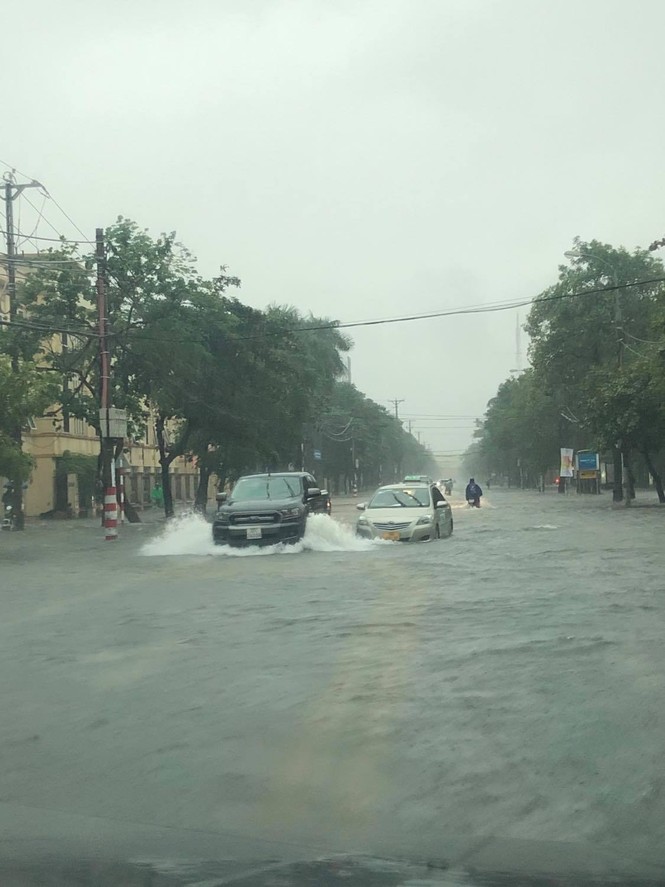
596,378
230,386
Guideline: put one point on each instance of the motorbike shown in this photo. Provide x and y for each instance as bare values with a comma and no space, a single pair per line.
8,518
9,515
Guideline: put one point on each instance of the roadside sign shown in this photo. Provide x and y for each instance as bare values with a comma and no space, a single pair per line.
588,474
566,462
317,455
587,462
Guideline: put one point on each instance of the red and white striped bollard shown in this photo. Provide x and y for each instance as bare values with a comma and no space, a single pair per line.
110,514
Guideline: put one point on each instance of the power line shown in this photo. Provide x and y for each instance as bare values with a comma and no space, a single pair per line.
66,215
39,218
453,312
443,429
50,224
11,167
43,328
645,341
45,190
62,239
500,306
438,416
42,263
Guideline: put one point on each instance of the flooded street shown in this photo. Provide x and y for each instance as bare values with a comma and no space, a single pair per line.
506,682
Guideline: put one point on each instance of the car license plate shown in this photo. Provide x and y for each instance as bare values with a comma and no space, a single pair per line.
253,532
391,537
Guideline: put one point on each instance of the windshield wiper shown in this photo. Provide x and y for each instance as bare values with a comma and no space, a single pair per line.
288,485
397,500
415,498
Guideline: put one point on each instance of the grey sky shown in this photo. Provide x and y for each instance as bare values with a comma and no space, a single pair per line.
355,158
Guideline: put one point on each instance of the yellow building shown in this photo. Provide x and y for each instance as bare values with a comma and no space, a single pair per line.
48,439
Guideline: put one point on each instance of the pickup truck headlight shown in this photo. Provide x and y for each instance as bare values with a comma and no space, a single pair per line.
291,512
222,517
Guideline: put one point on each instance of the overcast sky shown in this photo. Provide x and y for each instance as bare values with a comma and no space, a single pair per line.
355,158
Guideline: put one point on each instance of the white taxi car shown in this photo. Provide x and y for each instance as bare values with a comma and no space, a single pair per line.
405,513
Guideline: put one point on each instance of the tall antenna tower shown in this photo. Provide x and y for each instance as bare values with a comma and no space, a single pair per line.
518,347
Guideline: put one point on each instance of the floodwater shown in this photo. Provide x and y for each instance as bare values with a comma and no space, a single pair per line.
509,681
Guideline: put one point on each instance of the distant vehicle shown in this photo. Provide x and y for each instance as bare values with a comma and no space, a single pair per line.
406,513
264,509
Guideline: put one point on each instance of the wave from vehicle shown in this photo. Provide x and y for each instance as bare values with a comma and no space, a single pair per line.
191,535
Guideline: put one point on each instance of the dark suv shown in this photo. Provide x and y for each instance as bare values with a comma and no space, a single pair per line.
264,509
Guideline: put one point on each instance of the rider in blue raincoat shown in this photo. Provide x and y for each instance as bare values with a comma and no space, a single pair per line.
473,493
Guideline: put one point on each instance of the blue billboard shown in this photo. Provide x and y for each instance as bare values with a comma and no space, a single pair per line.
587,461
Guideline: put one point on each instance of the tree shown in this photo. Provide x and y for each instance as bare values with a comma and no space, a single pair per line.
576,339
24,393
630,408
597,371
520,435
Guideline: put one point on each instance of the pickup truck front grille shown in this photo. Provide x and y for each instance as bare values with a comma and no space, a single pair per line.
255,518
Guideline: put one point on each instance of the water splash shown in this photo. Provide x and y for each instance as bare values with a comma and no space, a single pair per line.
192,535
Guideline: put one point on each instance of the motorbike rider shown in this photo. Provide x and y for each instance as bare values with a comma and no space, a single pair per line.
7,502
473,493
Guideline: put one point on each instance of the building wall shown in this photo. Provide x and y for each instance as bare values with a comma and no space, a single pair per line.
45,443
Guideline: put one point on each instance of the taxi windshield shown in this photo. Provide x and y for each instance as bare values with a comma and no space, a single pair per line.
415,497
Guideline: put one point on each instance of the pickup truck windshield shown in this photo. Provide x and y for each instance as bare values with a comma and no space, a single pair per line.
252,488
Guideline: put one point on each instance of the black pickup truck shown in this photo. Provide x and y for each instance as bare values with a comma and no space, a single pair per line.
263,509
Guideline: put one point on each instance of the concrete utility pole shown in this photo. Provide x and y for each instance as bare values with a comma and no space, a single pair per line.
107,442
396,403
12,191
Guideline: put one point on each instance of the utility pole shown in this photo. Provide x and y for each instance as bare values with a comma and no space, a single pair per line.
396,403
12,191
107,442
617,489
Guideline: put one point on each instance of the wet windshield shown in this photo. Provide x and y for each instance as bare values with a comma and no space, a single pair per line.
418,497
345,249
252,488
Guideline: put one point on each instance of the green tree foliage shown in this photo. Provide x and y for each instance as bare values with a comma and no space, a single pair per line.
24,393
225,384
519,437
597,370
